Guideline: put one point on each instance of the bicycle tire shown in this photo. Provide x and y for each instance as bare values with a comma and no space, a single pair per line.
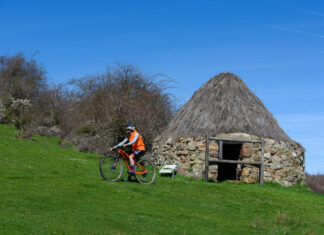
108,173
149,166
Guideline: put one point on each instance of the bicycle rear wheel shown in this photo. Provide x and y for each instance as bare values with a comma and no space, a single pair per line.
107,170
147,171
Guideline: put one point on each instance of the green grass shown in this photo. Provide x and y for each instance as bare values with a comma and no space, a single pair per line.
45,189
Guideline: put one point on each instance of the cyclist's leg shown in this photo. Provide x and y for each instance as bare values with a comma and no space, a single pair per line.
132,163
138,154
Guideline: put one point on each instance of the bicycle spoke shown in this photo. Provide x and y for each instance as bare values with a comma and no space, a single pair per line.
111,168
145,171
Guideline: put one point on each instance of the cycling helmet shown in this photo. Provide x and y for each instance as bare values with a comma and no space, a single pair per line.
130,127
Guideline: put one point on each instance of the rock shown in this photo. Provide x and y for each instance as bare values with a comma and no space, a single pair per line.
270,141
290,179
192,157
295,164
214,155
213,147
191,147
245,180
286,183
169,141
267,156
276,166
180,147
279,173
288,164
202,147
213,174
256,157
183,152
213,168
246,172
246,151
201,156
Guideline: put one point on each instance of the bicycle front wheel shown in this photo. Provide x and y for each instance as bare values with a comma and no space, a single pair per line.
111,168
145,171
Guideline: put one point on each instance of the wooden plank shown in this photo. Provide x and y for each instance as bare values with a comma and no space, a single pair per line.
233,142
236,141
261,169
237,172
209,162
234,162
207,158
220,149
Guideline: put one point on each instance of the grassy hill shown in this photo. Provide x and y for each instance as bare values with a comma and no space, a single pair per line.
45,189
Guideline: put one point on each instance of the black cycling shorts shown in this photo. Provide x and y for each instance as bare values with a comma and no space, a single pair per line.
138,153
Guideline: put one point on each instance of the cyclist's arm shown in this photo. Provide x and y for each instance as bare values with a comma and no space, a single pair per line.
121,143
134,140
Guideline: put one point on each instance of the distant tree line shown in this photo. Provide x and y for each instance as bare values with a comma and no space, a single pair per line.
90,112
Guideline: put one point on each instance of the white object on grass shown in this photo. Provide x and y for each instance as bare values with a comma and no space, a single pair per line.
168,169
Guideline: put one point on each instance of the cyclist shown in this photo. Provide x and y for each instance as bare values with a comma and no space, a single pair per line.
135,139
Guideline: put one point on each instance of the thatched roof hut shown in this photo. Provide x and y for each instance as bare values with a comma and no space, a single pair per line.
225,105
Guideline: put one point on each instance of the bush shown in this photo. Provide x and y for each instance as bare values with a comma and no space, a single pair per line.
86,130
21,78
98,106
105,103
315,182
21,82
2,112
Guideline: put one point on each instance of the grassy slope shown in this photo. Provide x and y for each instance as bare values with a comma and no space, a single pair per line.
48,189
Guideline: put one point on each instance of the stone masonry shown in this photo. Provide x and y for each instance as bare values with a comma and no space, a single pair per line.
284,161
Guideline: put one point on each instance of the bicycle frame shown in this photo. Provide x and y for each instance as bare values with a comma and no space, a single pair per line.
125,157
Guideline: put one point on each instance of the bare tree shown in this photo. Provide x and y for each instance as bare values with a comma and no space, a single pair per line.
21,78
123,94
91,111
21,81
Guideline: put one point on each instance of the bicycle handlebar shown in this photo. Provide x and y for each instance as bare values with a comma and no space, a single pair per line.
117,148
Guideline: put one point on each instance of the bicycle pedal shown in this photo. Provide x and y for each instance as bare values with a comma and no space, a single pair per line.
131,173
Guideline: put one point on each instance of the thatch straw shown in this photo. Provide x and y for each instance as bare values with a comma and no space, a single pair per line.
224,105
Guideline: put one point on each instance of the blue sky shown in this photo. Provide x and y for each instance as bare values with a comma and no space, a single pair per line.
276,47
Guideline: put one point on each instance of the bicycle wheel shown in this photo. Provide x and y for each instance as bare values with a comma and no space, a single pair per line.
107,170
147,171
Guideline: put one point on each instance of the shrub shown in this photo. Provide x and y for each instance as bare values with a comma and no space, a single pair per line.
86,130
3,112
99,105
315,182
105,103
21,78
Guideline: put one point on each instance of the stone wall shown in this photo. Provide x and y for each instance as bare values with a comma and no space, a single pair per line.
284,161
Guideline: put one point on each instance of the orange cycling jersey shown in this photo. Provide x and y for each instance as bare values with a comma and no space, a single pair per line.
139,144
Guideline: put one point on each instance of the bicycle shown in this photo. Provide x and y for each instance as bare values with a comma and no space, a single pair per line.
145,170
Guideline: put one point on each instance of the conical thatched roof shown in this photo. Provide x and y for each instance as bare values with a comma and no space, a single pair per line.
224,105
